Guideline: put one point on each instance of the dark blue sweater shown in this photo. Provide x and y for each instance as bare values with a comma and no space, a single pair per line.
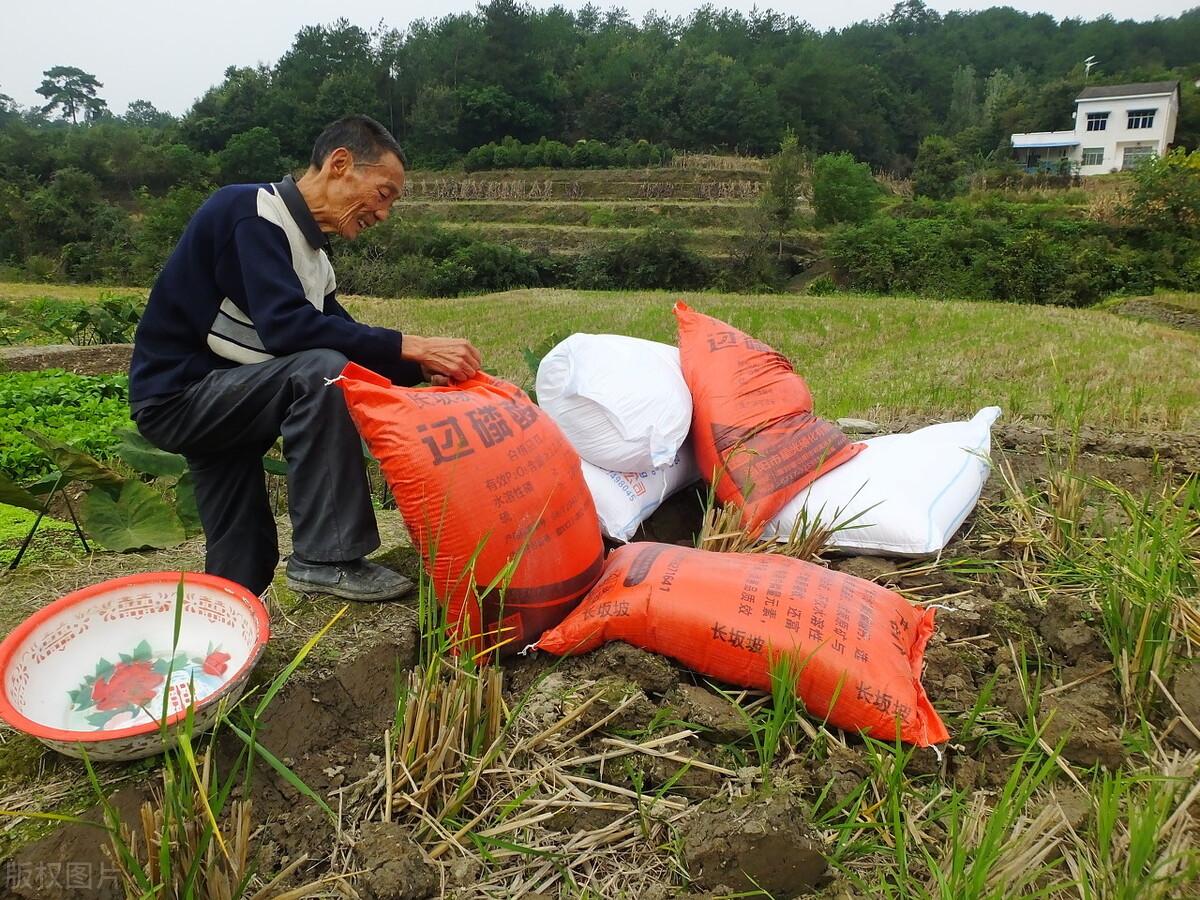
249,280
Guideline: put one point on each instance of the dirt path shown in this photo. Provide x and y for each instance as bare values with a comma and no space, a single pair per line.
101,359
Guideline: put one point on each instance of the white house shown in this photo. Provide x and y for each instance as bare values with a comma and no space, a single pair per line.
1116,127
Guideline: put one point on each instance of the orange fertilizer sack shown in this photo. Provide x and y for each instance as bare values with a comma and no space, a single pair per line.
858,647
477,468
752,421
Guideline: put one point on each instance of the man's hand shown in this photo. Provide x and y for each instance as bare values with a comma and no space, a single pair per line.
453,357
435,380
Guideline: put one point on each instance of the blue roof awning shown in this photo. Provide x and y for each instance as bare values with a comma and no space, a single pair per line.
1044,142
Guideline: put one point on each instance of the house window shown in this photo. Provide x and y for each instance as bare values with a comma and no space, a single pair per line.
1135,156
1097,121
1093,156
1141,118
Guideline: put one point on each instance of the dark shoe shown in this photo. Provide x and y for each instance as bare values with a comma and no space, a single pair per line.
358,579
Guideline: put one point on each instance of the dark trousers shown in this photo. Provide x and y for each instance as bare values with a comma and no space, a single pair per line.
224,424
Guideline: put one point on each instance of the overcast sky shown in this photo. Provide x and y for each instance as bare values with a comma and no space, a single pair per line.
170,53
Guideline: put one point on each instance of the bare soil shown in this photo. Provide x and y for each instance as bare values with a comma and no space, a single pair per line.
97,359
328,724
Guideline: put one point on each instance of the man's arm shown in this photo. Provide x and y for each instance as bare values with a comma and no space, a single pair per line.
287,323
334,308
402,371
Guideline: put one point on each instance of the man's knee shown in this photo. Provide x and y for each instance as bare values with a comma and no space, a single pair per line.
320,364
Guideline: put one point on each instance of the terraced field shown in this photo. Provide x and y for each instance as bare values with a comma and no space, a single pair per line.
566,211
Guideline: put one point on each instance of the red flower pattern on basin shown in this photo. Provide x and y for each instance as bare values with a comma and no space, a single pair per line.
130,684
129,691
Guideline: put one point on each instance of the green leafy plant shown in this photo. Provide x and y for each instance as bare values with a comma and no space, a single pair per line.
82,411
135,519
533,357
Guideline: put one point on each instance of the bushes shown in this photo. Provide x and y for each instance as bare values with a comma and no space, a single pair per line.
398,259
1166,193
512,154
938,171
995,250
656,258
843,190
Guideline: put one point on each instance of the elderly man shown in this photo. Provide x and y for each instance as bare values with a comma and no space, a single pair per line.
241,331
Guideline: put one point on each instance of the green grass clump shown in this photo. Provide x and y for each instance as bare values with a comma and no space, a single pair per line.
1141,564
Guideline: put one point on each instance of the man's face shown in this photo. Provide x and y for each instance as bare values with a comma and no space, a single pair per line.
362,193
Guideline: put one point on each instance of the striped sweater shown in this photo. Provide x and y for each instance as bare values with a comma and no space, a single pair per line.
249,280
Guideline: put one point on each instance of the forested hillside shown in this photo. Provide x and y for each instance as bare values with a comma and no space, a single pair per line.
87,194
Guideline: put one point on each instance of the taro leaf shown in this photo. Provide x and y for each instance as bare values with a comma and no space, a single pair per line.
143,456
185,505
137,518
15,495
76,465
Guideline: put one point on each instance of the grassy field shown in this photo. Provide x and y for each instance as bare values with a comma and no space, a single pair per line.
870,356
876,357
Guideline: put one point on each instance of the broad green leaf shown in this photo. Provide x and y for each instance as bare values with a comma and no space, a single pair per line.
143,456
142,650
76,465
185,504
137,518
15,495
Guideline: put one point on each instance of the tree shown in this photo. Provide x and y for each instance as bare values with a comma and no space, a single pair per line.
965,110
249,157
143,114
74,90
938,169
785,182
843,190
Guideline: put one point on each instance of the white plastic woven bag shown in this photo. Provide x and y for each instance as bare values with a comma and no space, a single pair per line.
907,493
624,500
621,401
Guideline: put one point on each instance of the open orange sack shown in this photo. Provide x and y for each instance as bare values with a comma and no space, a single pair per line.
858,646
752,422
477,468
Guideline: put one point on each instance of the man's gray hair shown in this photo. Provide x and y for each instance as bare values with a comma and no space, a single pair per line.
365,138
